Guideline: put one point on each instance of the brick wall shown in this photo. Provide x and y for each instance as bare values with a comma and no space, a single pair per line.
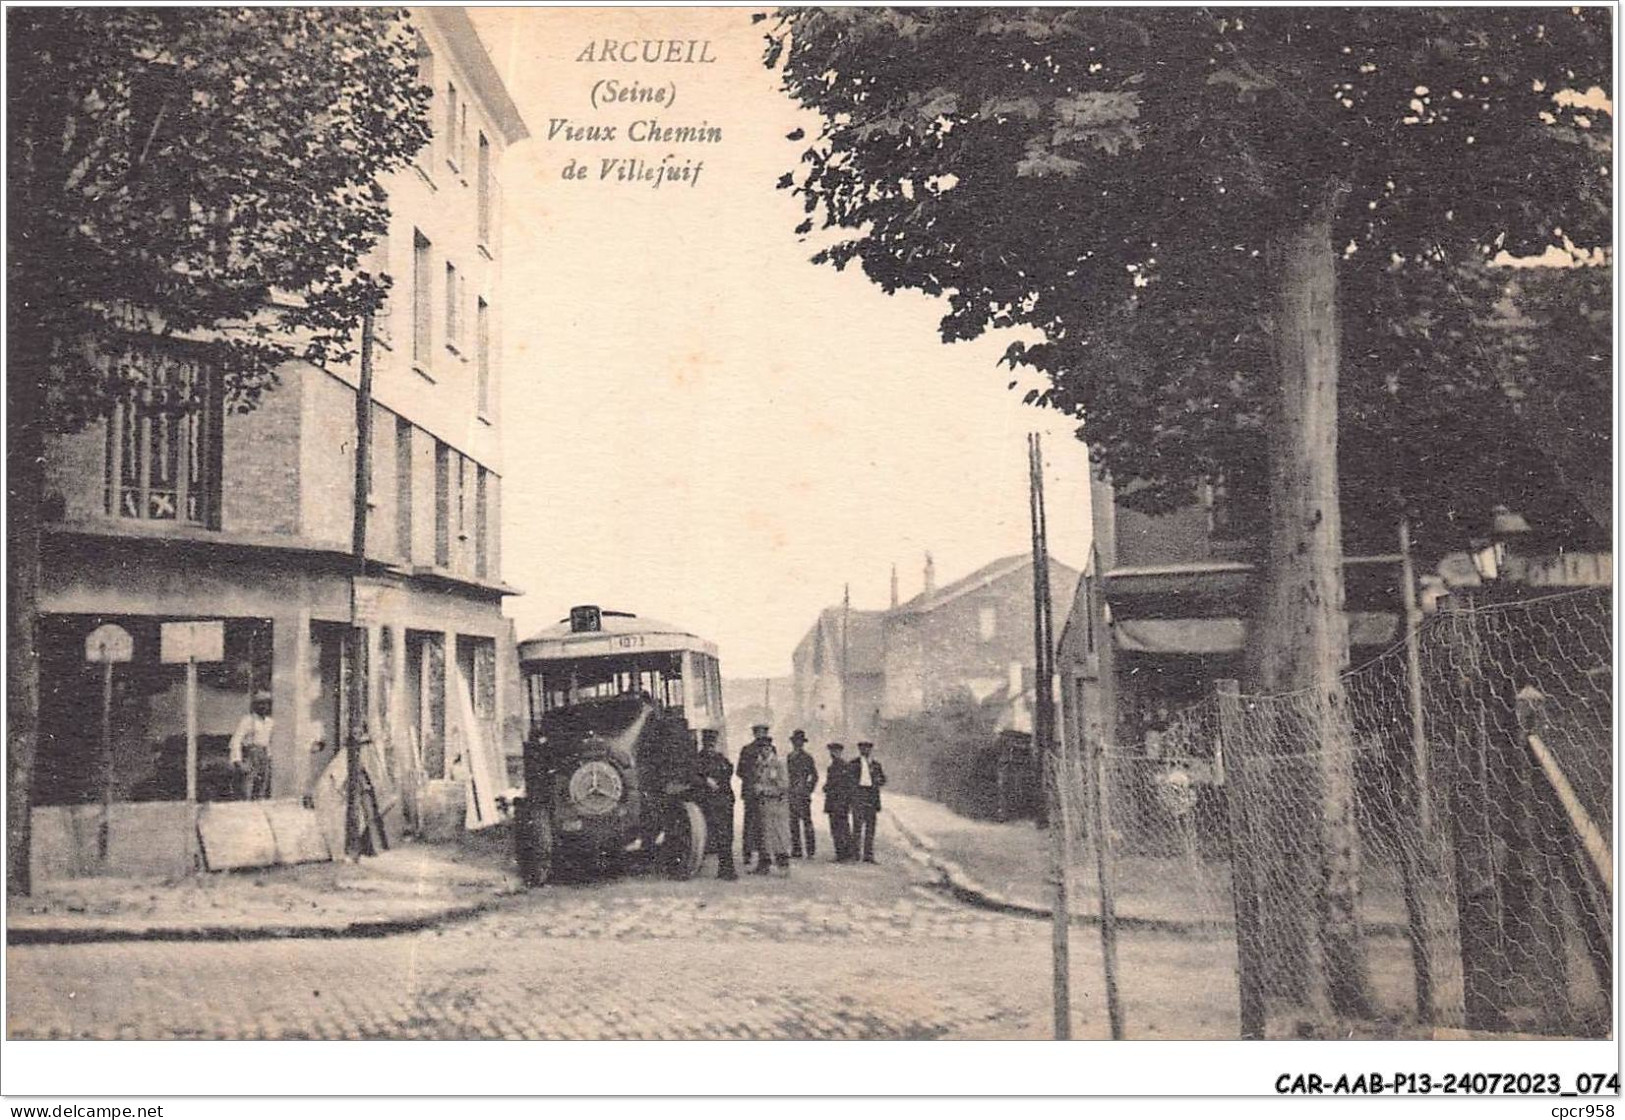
383,500
75,473
327,466
260,460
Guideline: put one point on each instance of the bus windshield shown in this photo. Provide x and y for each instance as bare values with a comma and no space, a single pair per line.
556,685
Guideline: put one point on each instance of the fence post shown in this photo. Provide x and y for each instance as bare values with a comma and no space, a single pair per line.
1414,862
1478,900
1243,881
1100,826
1416,859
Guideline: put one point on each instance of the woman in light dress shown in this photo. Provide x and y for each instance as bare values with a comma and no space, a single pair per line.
772,788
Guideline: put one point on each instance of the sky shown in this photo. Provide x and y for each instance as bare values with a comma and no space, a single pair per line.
700,425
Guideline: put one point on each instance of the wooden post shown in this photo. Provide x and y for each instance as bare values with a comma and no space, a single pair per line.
1416,849
355,830
1044,746
1478,901
846,676
191,729
1243,880
1413,682
105,830
1100,826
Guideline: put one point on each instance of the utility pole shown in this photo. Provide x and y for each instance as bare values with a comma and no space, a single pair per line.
846,674
1045,744
355,829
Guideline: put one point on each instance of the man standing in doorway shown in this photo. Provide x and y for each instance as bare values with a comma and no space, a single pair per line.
803,780
868,778
750,755
251,750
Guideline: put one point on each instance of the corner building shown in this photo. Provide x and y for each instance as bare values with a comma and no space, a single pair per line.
247,519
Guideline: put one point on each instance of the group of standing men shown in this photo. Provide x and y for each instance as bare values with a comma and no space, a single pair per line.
778,793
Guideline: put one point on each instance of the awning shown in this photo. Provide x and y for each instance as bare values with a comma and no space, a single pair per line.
1228,635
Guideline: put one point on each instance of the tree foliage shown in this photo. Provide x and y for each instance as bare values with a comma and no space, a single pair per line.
202,174
1111,179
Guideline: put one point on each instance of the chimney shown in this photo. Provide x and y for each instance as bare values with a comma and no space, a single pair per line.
930,574
894,587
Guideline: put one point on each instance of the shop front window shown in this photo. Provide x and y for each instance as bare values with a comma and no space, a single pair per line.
147,756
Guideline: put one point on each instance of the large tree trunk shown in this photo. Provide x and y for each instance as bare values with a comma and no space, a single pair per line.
25,477
1301,638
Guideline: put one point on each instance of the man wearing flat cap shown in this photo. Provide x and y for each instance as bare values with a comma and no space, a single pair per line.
251,749
750,756
867,778
803,780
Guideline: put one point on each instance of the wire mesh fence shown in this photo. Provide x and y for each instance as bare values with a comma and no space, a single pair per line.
1424,847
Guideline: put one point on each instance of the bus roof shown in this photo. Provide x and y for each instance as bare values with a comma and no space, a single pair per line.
619,635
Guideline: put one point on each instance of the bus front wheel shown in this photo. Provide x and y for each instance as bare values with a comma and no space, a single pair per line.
684,848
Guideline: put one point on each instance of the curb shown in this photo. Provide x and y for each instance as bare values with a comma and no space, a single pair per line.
964,888
956,882
386,927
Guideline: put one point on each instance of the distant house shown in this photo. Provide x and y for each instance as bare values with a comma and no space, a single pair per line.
973,636
970,640
838,679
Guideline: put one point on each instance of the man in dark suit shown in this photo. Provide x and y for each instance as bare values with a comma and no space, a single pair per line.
714,780
867,779
803,780
838,801
749,755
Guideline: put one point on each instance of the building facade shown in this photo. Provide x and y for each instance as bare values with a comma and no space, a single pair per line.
838,675
246,520
1162,611
970,640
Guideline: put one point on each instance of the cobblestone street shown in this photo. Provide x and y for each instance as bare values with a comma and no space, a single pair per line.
864,952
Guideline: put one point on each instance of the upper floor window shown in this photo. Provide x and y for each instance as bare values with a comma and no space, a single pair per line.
163,456
454,308
483,186
422,299
482,356
987,621
462,135
454,117
426,78
378,265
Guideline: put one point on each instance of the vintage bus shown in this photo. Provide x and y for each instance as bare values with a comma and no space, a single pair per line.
619,708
